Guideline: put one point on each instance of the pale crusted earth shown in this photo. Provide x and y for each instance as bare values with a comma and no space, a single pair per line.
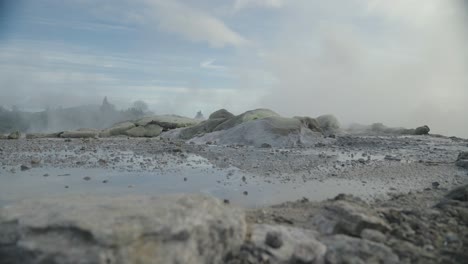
399,212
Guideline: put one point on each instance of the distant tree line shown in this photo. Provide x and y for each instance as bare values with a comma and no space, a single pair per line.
61,119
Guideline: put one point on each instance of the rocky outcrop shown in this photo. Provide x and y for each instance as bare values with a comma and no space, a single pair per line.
309,123
328,123
199,130
150,130
274,131
462,160
422,130
343,217
173,229
345,249
221,114
281,244
379,128
167,122
256,114
14,135
117,129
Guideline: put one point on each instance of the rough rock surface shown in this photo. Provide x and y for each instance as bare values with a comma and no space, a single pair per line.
462,160
173,229
422,130
343,217
256,114
328,123
200,129
167,122
281,244
117,129
150,130
274,131
221,114
14,135
345,249
309,123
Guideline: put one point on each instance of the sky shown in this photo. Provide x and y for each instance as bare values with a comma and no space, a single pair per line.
400,62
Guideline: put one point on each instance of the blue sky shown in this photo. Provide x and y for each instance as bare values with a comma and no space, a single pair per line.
362,60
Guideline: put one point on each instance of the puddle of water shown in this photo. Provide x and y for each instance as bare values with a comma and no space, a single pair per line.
224,184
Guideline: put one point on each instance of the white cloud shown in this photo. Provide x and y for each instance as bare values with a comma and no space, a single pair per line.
210,64
193,24
243,4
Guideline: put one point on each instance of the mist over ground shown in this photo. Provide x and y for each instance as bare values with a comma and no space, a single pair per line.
402,63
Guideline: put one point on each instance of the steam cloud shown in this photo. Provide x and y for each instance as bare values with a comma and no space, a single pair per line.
403,63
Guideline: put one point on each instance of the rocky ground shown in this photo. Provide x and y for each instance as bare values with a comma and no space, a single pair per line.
411,217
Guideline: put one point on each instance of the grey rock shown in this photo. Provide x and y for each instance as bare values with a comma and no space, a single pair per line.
275,131
3,136
297,246
14,135
221,114
150,130
458,194
256,114
328,123
422,130
345,249
167,122
343,217
463,156
134,229
117,129
201,129
309,123
462,163
373,235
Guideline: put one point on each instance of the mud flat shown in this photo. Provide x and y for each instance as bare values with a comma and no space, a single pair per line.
358,199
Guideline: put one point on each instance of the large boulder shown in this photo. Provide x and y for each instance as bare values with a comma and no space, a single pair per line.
201,129
350,218
14,135
246,117
281,244
167,122
221,114
462,160
3,136
343,249
135,229
272,131
309,123
328,123
118,129
150,130
422,130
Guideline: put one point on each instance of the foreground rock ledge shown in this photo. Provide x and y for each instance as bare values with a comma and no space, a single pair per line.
173,229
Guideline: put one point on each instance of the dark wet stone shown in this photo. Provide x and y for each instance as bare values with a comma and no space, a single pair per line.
24,168
274,240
